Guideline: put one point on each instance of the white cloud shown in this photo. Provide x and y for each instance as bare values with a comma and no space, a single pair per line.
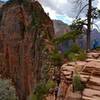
64,9
54,15
60,6
51,12
98,5
58,9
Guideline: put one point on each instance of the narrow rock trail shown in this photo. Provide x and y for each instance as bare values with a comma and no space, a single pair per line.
90,75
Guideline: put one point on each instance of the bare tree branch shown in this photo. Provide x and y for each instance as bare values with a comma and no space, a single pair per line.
81,11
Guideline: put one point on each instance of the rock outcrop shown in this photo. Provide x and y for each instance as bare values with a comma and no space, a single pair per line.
60,28
90,75
23,28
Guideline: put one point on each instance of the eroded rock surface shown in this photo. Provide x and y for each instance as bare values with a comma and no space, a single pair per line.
23,29
90,75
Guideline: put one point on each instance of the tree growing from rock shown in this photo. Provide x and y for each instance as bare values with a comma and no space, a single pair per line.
92,13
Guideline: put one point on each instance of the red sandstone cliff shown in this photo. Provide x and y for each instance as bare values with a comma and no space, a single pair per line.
22,29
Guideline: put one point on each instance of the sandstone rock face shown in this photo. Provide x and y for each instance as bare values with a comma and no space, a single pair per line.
22,33
60,28
90,75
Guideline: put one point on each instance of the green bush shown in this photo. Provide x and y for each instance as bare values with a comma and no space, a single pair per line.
72,35
76,56
72,56
81,56
98,48
66,54
7,91
77,84
33,97
50,84
56,57
75,48
41,90
75,53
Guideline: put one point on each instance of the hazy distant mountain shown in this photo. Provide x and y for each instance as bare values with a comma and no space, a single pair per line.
60,27
95,34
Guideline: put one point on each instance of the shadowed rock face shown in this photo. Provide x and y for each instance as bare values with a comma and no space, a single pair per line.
22,37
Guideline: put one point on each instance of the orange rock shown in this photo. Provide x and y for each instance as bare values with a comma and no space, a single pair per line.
21,44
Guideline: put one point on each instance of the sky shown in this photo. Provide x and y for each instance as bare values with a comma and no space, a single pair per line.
65,10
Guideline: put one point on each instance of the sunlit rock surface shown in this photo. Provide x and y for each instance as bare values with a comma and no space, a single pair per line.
90,75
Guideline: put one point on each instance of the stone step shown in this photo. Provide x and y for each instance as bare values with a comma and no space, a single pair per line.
95,80
89,98
91,93
84,78
93,55
66,73
67,68
93,87
89,60
89,73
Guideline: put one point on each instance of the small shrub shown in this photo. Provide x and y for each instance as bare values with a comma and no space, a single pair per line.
72,56
75,53
82,56
33,97
41,90
66,54
56,57
77,84
50,84
98,48
75,48
7,91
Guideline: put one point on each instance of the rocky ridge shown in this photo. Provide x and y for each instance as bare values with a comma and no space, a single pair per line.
60,28
90,75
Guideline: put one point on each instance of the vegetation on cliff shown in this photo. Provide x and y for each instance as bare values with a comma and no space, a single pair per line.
7,90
